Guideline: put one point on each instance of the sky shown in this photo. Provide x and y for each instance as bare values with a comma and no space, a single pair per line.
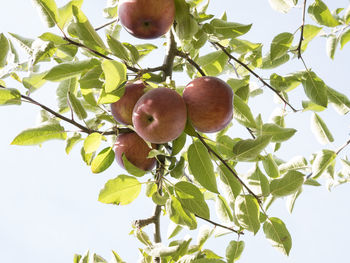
48,200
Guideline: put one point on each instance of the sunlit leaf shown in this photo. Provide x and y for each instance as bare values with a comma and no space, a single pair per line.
320,129
48,11
5,47
120,191
247,212
276,232
323,159
249,150
201,166
234,251
280,45
10,96
288,184
321,14
38,135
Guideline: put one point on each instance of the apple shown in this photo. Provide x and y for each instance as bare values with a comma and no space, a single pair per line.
209,103
135,150
122,109
160,115
146,19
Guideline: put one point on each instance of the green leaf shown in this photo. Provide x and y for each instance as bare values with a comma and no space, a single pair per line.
228,30
178,170
286,83
310,32
287,185
311,106
247,212
85,31
276,232
192,199
70,69
320,13
213,63
323,159
223,211
234,251
315,88
249,150
241,46
344,38
65,13
280,45
71,141
201,166
118,48
38,135
34,81
186,26
178,144
115,74
242,113
132,169
77,106
282,6
120,191
231,186
25,43
331,45
179,215
296,163
173,230
117,258
5,47
48,11
258,181
224,145
68,85
278,133
92,142
159,199
292,199
268,63
204,234
10,96
320,129
98,259
339,101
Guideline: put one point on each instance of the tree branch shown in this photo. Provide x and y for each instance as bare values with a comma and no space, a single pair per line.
254,74
219,225
191,61
342,147
228,167
301,31
107,24
71,121
169,58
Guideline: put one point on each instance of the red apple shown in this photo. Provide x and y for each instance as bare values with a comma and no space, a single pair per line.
209,103
135,150
146,19
122,109
159,116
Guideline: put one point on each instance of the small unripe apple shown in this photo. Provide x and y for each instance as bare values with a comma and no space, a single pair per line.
209,103
159,116
146,19
122,109
135,150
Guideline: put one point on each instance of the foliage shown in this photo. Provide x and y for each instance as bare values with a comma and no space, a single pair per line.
91,68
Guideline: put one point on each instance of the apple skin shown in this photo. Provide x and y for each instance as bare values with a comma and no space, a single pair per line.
122,109
146,19
160,115
209,102
135,150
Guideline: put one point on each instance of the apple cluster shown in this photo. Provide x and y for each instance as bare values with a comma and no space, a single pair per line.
159,115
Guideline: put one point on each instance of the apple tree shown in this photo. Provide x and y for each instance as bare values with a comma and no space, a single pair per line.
176,140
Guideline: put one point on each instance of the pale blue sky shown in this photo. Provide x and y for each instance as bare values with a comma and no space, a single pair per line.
48,200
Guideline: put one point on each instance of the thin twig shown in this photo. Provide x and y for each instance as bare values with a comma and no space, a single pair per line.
107,24
71,121
301,31
219,225
342,147
254,74
191,61
228,167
